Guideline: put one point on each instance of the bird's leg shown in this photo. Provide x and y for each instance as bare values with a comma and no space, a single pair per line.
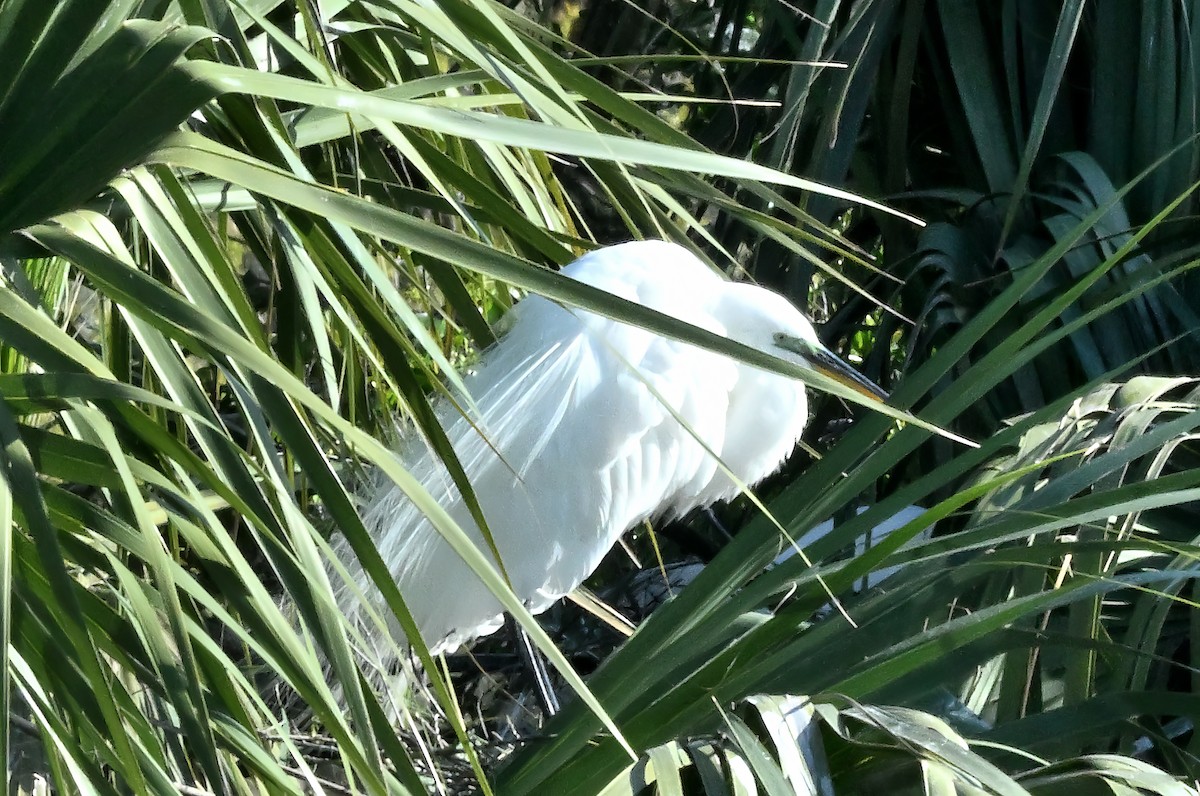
536,664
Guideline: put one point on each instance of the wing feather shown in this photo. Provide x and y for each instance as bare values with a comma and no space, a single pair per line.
577,438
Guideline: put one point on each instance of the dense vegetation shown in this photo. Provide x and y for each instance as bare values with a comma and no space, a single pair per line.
241,237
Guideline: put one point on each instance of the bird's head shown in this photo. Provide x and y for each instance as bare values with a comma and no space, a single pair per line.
768,322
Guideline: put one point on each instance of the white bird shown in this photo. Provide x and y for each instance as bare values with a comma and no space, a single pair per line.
580,435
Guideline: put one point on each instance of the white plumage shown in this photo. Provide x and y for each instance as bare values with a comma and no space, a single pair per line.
582,437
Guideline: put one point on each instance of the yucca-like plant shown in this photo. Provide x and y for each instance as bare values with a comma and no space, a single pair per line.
163,478
792,745
968,607
1083,674
293,222
1002,125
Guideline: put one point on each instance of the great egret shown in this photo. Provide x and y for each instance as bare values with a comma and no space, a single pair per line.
586,426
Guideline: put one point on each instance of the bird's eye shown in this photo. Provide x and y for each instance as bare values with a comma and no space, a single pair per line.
787,341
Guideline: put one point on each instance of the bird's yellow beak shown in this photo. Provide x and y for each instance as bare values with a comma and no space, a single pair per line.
829,365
